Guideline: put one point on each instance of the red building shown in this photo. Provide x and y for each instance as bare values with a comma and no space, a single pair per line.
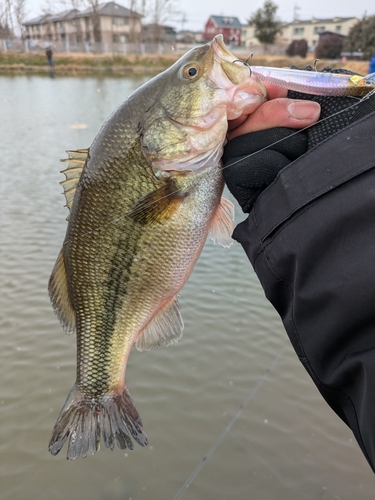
229,27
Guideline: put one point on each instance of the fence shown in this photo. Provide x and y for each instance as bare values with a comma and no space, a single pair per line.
30,46
122,48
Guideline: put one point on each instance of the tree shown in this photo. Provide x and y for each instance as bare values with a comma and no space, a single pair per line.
362,37
297,48
329,47
19,12
266,25
12,14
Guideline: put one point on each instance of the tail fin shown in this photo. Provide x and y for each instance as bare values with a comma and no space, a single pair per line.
84,419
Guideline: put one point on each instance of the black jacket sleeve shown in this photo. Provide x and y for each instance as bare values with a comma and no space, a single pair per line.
310,237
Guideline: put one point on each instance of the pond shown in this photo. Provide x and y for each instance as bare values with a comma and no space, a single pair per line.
229,411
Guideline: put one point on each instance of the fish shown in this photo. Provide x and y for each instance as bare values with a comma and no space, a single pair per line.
142,200
316,82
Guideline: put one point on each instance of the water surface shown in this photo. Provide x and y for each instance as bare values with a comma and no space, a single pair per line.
229,411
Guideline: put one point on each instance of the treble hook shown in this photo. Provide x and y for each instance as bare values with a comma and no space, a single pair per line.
315,64
246,63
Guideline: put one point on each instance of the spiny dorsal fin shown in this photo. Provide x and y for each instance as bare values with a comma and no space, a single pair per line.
164,329
59,294
73,171
222,224
159,205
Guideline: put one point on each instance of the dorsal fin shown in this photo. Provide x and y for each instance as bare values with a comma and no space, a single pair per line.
76,161
164,329
222,224
59,294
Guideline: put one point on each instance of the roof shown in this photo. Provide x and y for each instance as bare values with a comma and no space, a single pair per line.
105,9
226,21
314,20
111,9
65,14
38,20
322,34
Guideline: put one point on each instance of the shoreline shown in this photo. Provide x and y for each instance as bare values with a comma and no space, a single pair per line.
137,65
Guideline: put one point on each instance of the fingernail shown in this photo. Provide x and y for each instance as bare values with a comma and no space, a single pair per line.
304,110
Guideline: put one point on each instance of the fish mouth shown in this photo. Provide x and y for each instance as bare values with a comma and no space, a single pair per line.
221,49
233,68
236,75
237,72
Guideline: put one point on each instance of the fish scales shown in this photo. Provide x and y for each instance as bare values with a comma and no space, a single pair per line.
140,212
135,264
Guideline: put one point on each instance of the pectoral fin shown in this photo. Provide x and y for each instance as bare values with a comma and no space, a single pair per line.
159,205
163,330
222,224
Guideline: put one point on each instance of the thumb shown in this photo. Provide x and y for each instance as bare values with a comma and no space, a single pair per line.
282,112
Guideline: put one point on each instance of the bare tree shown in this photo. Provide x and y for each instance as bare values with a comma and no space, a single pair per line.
163,10
19,13
82,4
133,36
95,19
12,15
6,19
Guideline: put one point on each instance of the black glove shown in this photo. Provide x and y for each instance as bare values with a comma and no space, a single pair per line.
252,161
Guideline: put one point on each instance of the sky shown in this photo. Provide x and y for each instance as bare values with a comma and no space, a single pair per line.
196,12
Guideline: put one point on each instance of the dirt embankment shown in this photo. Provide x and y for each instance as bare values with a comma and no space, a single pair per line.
78,64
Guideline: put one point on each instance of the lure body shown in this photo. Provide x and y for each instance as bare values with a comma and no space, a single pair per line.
316,82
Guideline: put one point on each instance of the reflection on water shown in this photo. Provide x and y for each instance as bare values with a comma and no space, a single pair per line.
229,411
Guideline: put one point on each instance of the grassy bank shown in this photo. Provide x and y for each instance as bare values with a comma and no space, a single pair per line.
84,63
16,63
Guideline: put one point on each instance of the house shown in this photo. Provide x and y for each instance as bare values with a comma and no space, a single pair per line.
310,30
189,37
154,32
108,23
229,27
248,38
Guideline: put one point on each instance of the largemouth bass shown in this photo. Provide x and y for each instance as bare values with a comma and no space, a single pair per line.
142,201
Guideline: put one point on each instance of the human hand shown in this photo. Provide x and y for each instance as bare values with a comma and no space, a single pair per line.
263,143
247,175
278,111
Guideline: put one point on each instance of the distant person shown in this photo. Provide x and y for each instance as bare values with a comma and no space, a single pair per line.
49,55
371,68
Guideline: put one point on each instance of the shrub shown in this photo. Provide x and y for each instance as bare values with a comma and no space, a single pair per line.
297,48
329,47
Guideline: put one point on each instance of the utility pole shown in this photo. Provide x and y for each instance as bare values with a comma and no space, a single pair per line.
183,20
295,12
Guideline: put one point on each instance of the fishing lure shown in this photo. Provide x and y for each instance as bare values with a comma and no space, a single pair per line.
315,82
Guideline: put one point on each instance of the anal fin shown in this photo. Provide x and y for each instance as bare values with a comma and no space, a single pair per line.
163,330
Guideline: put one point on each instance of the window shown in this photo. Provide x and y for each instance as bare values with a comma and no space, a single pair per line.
298,31
120,38
319,29
120,21
338,29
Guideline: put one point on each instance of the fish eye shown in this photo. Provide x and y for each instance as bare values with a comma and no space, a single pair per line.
190,71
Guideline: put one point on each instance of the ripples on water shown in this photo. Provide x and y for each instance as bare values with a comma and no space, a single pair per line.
284,444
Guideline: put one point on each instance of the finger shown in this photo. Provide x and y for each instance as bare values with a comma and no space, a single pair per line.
280,112
273,92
